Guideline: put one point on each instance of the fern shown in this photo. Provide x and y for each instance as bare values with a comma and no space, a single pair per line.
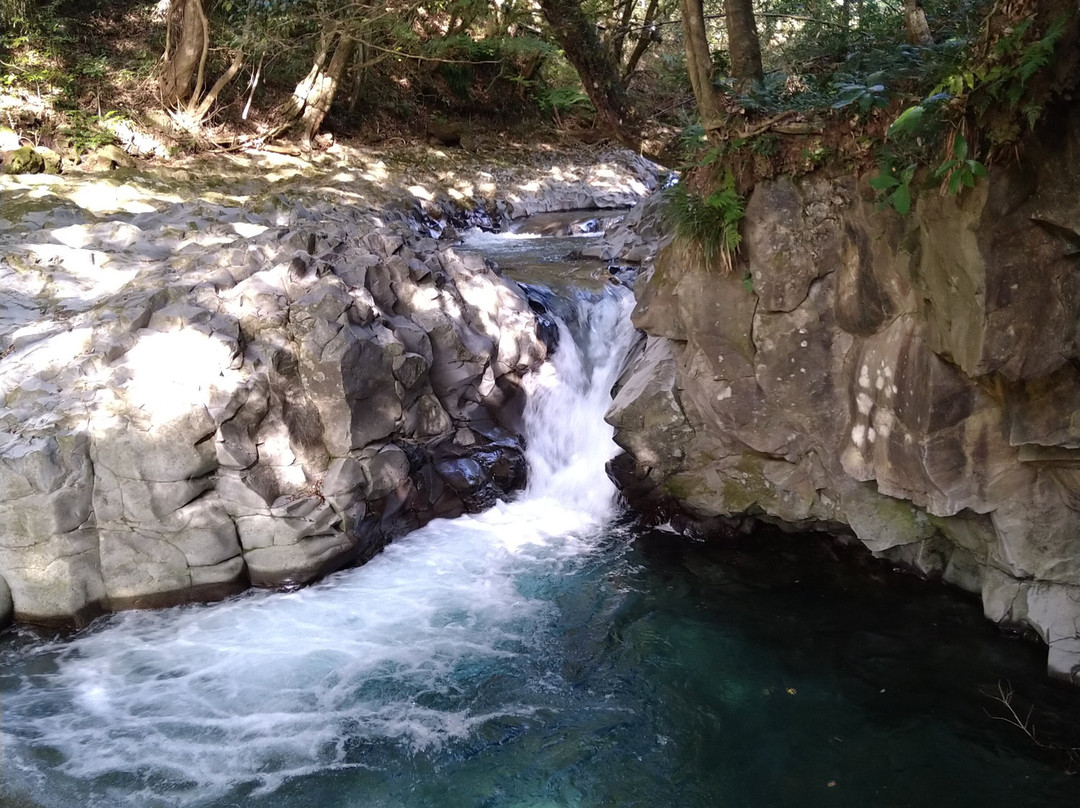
1008,79
711,222
1037,55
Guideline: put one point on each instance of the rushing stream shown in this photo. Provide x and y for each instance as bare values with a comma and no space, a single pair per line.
544,653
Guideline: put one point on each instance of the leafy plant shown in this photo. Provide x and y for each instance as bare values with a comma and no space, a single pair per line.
691,139
1007,79
863,94
564,100
765,145
781,91
85,132
816,154
711,222
1002,77
959,171
893,185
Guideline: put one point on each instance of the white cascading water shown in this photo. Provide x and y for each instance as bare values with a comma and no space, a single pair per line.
194,705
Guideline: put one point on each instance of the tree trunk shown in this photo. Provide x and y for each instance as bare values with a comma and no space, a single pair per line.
918,31
598,72
315,93
699,65
187,44
618,38
845,23
646,37
743,44
202,107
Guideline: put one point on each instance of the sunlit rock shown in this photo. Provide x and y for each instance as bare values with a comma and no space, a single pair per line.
204,386
48,543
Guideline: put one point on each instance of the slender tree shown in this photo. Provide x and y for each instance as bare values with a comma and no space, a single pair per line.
648,33
187,45
595,66
182,80
918,31
313,96
743,44
699,65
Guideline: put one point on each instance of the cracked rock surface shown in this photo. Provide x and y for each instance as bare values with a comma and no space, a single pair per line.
913,381
216,379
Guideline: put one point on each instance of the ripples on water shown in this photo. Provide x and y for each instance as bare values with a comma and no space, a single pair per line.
544,653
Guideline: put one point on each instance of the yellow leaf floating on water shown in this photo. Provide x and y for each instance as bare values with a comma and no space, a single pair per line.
791,691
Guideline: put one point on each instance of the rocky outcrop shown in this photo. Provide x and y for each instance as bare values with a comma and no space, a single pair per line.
911,380
197,400
252,377
617,179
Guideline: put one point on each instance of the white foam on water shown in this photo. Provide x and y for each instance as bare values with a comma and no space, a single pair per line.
480,240
184,706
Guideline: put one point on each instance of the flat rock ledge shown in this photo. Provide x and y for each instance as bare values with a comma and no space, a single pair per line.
207,385
911,381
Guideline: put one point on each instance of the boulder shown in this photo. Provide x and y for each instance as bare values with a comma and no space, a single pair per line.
445,133
106,158
23,160
53,163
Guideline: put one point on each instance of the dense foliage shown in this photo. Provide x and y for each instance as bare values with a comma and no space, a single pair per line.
929,92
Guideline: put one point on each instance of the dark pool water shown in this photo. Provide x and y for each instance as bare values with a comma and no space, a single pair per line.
661,671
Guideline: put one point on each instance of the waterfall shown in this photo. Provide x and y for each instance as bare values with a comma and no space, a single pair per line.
437,641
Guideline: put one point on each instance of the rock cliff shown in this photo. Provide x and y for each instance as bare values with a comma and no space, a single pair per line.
913,380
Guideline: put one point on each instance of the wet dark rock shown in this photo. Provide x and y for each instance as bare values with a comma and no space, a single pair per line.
463,474
506,468
624,274
547,327
7,611
467,218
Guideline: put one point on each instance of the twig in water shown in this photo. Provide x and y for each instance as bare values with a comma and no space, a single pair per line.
1004,697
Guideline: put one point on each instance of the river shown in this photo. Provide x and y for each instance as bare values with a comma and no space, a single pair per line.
547,652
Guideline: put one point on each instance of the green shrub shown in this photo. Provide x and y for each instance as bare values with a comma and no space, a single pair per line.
711,222
85,132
